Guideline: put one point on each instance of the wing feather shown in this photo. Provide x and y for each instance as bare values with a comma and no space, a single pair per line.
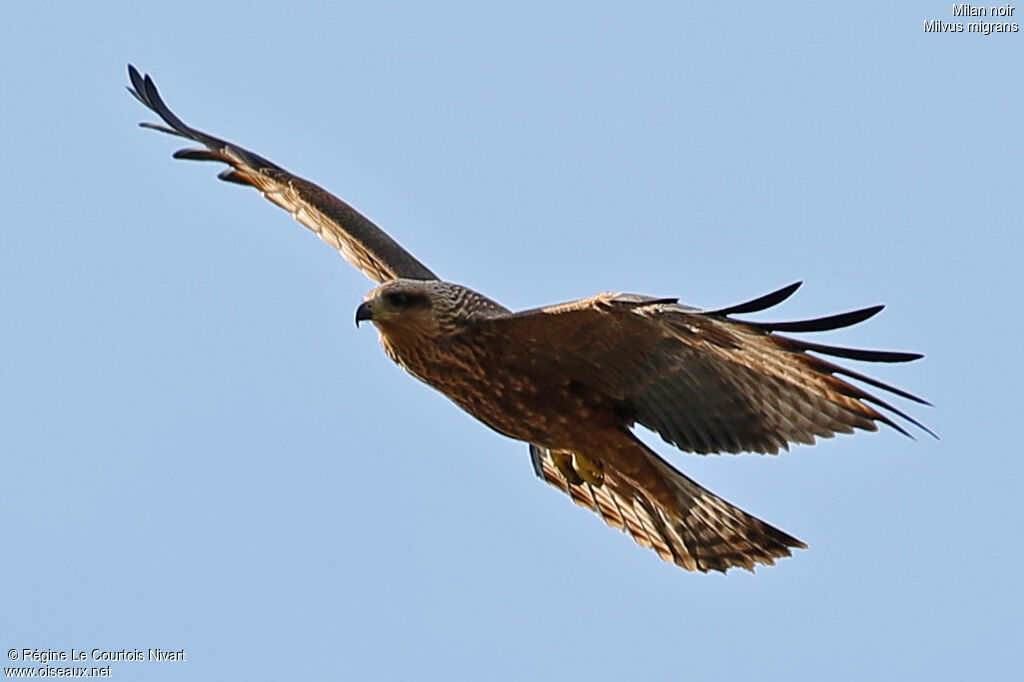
359,240
760,303
820,324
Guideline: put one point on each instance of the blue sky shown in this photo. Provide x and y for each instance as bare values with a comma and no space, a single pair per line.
200,451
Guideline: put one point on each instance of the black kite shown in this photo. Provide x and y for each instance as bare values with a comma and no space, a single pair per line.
572,379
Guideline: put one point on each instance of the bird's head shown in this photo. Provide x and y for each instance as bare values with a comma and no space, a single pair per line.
424,307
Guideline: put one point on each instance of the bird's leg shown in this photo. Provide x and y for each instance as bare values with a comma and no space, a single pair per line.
578,469
591,471
563,462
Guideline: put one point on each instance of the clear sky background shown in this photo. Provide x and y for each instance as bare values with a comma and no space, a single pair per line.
200,450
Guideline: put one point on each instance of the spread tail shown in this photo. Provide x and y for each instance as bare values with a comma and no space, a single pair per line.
661,508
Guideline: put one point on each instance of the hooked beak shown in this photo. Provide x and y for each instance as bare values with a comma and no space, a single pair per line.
363,312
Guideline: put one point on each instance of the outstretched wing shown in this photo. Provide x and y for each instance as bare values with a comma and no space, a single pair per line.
704,381
362,243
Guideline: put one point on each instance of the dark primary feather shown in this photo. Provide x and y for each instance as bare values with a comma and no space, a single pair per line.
760,303
358,239
820,324
852,353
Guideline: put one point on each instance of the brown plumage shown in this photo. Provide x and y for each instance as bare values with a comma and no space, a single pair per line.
572,379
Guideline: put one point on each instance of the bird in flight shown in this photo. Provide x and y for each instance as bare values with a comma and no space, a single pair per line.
572,379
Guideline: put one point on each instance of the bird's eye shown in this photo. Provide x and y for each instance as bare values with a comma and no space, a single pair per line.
397,300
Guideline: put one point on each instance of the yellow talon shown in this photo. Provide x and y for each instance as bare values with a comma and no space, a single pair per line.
592,472
563,462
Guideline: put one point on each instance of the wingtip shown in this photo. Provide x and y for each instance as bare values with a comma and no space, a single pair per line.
905,356
927,430
137,81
